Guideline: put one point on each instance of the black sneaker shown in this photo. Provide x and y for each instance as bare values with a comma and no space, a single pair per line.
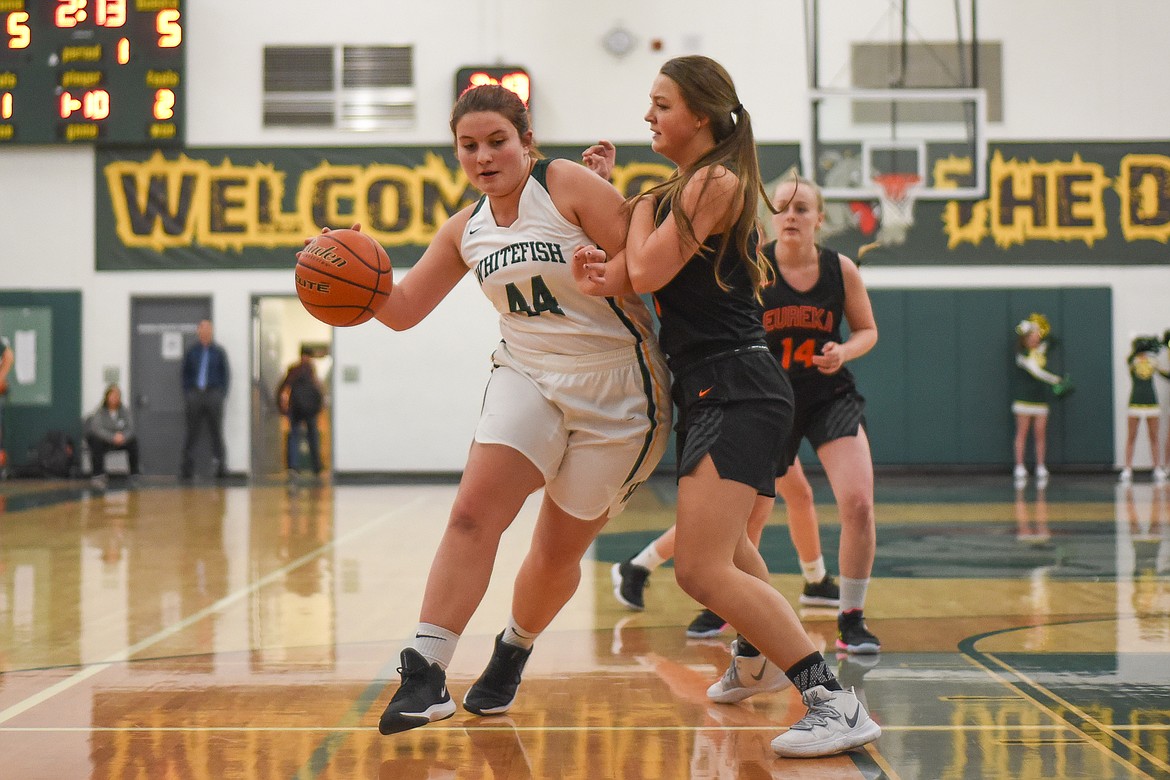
421,699
853,636
821,594
495,690
629,580
706,624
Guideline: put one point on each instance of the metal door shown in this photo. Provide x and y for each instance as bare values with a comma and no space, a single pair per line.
161,329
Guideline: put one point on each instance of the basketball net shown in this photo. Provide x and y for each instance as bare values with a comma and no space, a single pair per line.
897,198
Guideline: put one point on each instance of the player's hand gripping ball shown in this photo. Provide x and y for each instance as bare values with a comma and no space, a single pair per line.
343,277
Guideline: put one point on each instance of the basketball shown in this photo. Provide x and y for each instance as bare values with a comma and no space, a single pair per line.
343,277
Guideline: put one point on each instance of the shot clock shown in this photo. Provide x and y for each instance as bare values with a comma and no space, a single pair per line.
92,71
511,77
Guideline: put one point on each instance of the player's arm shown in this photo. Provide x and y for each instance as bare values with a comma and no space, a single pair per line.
587,200
596,206
430,280
862,326
655,254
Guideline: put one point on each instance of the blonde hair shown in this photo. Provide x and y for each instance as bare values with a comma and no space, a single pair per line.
799,181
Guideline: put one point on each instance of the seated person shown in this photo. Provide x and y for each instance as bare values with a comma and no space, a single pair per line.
110,428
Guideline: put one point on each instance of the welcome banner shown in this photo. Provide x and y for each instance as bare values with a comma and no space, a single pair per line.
249,208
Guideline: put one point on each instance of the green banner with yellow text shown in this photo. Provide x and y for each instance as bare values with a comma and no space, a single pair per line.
1063,203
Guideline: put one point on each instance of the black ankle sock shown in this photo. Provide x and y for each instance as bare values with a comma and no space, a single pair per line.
810,672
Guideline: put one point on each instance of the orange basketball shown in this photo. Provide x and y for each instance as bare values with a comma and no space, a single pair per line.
343,277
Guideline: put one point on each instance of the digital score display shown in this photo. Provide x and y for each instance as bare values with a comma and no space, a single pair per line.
92,71
507,76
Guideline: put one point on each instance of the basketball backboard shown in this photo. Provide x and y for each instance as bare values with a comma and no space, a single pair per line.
936,135
898,99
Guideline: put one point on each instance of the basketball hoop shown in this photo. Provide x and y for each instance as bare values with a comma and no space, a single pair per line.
897,197
897,192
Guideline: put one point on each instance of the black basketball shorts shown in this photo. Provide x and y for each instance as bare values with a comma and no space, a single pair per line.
738,410
822,421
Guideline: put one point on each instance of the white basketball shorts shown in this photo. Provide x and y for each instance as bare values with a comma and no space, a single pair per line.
595,425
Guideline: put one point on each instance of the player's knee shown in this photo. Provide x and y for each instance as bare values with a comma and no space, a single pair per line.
694,578
856,508
555,571
554,560
799,497
471,525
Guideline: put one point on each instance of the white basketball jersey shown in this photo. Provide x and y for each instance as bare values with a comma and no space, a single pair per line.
525,271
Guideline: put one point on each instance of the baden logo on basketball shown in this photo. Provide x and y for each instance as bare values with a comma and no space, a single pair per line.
326,253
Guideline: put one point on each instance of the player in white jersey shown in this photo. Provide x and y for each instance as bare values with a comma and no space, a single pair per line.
578,401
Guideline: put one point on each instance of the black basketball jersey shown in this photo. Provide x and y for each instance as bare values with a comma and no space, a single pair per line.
697,317
798,324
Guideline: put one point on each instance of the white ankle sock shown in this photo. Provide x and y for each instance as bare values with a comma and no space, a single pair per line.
648,558
435,643
814,571
853,593
514,635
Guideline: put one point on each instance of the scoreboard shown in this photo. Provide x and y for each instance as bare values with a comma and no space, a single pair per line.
92,71
511,77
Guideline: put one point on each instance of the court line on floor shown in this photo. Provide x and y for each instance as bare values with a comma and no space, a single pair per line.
1037,693
219,606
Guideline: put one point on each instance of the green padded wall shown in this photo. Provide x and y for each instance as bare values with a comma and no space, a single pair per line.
25,425
937,384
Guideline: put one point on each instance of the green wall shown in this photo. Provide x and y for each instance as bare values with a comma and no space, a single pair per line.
25,424
937,384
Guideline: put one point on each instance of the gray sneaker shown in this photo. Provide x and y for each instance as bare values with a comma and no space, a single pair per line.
746,676
836,721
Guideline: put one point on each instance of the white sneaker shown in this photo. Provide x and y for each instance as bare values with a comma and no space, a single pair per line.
836,721
1041,473
1126,475
1020,473
1159,475
746,676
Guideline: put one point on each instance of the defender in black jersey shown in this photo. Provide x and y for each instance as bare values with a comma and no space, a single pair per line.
691,242
797,327
815,290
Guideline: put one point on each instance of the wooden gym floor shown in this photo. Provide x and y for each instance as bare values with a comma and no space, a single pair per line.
252,631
